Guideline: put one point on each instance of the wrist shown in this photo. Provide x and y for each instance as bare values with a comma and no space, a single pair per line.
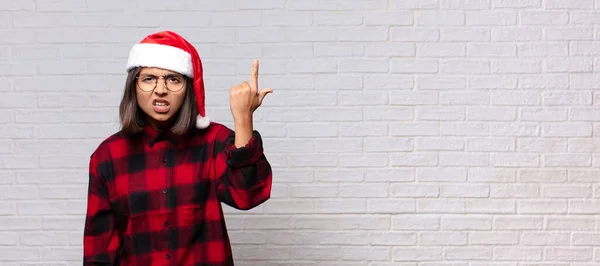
243,120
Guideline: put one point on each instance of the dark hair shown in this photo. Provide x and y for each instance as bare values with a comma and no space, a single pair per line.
133,118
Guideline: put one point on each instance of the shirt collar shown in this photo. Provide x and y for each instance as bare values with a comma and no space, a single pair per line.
151,136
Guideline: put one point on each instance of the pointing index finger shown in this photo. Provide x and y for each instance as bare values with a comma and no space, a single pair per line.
255,75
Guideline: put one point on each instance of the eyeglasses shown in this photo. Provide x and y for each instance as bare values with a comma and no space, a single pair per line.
148,82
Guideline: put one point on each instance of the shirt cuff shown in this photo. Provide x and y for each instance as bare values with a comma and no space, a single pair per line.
247,155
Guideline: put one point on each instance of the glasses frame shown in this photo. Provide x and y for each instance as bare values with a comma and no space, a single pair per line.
164,77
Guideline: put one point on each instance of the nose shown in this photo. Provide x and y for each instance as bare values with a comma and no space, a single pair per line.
161,87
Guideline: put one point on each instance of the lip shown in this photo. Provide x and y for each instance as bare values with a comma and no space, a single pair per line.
160,101
161,108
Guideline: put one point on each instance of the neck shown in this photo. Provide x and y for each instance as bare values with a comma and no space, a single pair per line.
160,126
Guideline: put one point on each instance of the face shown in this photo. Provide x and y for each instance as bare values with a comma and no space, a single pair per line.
167,97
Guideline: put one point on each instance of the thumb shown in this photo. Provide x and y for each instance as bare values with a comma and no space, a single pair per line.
263,93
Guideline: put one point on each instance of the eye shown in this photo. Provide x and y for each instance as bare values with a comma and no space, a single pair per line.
148,78
173,79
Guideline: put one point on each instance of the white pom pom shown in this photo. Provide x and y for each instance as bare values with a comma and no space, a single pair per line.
202,122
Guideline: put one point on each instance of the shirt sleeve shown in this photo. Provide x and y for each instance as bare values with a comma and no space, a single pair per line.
245,174
101,242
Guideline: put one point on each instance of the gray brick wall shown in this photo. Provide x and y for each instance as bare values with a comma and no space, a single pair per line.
401,132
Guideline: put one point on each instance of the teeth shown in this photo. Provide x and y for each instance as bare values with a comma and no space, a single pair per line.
160,104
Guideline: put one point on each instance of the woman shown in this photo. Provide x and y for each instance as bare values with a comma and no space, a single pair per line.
156,186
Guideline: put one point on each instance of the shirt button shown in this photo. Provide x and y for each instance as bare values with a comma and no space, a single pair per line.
167,256
166,223
165,191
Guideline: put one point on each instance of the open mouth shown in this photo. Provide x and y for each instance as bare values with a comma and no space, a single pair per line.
160,105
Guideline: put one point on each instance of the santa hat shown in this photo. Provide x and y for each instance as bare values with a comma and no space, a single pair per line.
168,50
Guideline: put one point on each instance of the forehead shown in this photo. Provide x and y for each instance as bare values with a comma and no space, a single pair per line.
157,71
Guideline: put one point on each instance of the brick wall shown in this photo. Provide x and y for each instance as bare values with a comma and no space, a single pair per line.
448,132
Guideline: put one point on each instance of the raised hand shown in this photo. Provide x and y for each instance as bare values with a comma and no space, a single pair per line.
245,98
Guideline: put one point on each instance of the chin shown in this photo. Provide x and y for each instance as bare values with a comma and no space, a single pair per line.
161,117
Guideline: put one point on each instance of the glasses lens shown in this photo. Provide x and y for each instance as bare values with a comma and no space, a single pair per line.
147,82
174,82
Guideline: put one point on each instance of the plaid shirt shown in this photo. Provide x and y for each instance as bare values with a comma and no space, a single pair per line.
155,199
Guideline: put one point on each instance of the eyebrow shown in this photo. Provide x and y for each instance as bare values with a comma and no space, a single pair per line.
152,74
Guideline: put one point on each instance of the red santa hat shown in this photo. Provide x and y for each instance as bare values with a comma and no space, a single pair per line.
168,50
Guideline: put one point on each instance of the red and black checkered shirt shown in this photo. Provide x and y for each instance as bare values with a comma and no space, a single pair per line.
155,199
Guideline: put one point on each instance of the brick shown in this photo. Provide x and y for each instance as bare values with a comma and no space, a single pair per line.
535,206
371,34
358,191
336,19
572,223
408,4
585,239
491,18
564,98
483,206
462,98
457,34
405,66
511,98
463,191
570,254
286,18
492,82
518,223
341,222
515,129
330,82
571,129
394,18
363,129
363,65
516,3
491,114
470,222
338,114
518,253
400,34
441,50
336,49
465,253
517,34
445,174
363,98
363,5
440,113
397,174
494,238
439,18
465,4
386,144
542,145
574,4
304,191
568,33
384,49
413,159
544,114
462,159
514,191
491,50
363,160
417,254
534,17
439,144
